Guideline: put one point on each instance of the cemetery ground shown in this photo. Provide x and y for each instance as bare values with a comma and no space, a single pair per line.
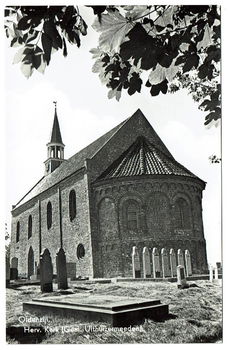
195,314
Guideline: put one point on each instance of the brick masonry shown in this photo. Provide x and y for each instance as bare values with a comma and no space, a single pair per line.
111,199
103,224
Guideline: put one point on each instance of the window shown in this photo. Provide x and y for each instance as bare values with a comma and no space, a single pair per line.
49,215
80,251
182,214
29,226
18,232
132,215
72,205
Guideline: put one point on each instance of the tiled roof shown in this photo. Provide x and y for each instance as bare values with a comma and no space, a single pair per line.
76,162
143,158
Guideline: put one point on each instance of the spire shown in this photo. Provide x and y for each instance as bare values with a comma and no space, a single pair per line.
55,148
56,134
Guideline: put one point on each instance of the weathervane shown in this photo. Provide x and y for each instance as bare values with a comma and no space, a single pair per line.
55,103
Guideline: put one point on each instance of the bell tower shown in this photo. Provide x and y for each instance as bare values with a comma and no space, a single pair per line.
55,148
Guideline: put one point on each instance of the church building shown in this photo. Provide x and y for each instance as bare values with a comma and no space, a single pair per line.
125,189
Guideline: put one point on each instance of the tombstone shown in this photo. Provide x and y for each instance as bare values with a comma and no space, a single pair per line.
7,271
156,263
211,273
14,269
165,263
180,257
173,262
135,263
216,273
46,271
61,269
181,278
146,263
219,265
188,263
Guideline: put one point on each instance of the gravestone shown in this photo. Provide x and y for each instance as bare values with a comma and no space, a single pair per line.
188,263
14,269
46,272
180,257
219,265
7,271
146,263
181,278
156,263
211,273
135,263
165,263
61,269
173,262
216,273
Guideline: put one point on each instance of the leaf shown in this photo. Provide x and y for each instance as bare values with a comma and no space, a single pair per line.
181,59
118,95
111,93
64,48
14,42
68,14
19,56
191,61
36,57
211,116
27,70
24,23
141,46
73,37
32,36
42,66
50,29
135,84
98,10
83,27
47,46
157,76
96,52
159,28
113,28
137,11
162,87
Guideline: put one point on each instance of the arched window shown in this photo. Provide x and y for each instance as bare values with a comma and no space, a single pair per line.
29,226
80,251
49,215
132,215
72,205
18,232
182,214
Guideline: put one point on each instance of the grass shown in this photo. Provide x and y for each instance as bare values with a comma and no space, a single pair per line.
196,314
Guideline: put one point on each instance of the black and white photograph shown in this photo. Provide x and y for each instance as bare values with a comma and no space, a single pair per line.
113,158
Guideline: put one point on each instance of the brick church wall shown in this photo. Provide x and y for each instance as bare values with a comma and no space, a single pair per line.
73,233
77,231
20,249
153,228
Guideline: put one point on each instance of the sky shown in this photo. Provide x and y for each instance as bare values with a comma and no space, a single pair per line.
85,113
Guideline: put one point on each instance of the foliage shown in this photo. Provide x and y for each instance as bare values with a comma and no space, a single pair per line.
40,31
163,48
214,159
